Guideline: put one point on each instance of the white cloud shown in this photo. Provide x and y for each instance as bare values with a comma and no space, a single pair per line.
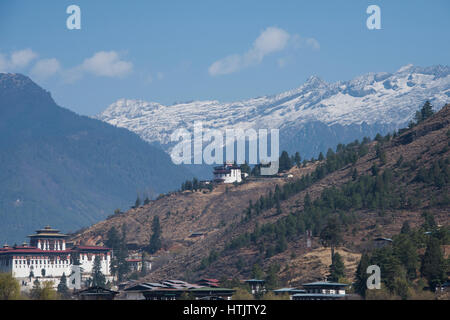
270,40
17,60
46,68
107,64
22,58
313,43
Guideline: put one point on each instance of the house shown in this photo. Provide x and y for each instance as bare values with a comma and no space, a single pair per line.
289,291
257,286
322,290
96,293
200,235
174,290
381,242
227,173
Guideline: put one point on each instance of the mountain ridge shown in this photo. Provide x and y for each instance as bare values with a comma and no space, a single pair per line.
368,104
68,170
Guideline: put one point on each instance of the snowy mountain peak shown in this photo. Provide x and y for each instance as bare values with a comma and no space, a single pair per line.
370,99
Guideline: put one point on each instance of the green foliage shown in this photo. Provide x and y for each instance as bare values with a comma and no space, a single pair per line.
337,268
62,288
9,287
424,113
361,275
98,278
433,265
437,175
285,162
46,292
119,265
155,240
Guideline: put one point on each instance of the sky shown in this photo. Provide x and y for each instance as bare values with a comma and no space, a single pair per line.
175,51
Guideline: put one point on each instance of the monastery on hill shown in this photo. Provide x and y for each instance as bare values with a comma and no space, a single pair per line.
47,258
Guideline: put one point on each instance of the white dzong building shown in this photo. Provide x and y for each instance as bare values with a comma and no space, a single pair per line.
227,173
47,258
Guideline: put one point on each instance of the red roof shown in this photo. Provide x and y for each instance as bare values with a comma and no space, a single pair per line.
30,250
90,248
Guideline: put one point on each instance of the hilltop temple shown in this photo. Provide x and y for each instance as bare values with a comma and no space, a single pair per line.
47,258
227,173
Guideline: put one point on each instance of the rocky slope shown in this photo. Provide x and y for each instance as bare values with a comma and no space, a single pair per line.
220,214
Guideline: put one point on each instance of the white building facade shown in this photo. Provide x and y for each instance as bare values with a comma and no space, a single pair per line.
228,173
47,258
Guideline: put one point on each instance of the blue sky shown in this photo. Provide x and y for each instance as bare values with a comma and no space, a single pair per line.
168,51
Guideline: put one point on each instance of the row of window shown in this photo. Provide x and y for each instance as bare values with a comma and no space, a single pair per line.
41,262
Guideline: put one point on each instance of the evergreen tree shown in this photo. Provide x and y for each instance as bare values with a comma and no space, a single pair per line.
155,240
406,251
144,265
424,113
429,223
337,268
146,201
137,203
354,174
62,288
195,184
361,275
406,228
257,272
331,235
245,168
321,157
285,162
433,264
98,278
298,159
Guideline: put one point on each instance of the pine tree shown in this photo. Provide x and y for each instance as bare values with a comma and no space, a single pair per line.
321,157
285,162
137,203
424,113
354,174
361,275
155,240
98,278
429,222
406,228
195,184
433,264
298,159
331,235
337,268
62,289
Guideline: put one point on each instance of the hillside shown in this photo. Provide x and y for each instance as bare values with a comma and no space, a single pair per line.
411,175
312,118
68,170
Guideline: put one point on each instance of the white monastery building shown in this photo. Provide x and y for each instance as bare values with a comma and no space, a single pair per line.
47,258
227,173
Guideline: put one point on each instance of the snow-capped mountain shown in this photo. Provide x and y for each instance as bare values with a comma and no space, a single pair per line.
311,118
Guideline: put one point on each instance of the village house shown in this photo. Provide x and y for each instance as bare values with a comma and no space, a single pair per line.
322,290
257,286
174,290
